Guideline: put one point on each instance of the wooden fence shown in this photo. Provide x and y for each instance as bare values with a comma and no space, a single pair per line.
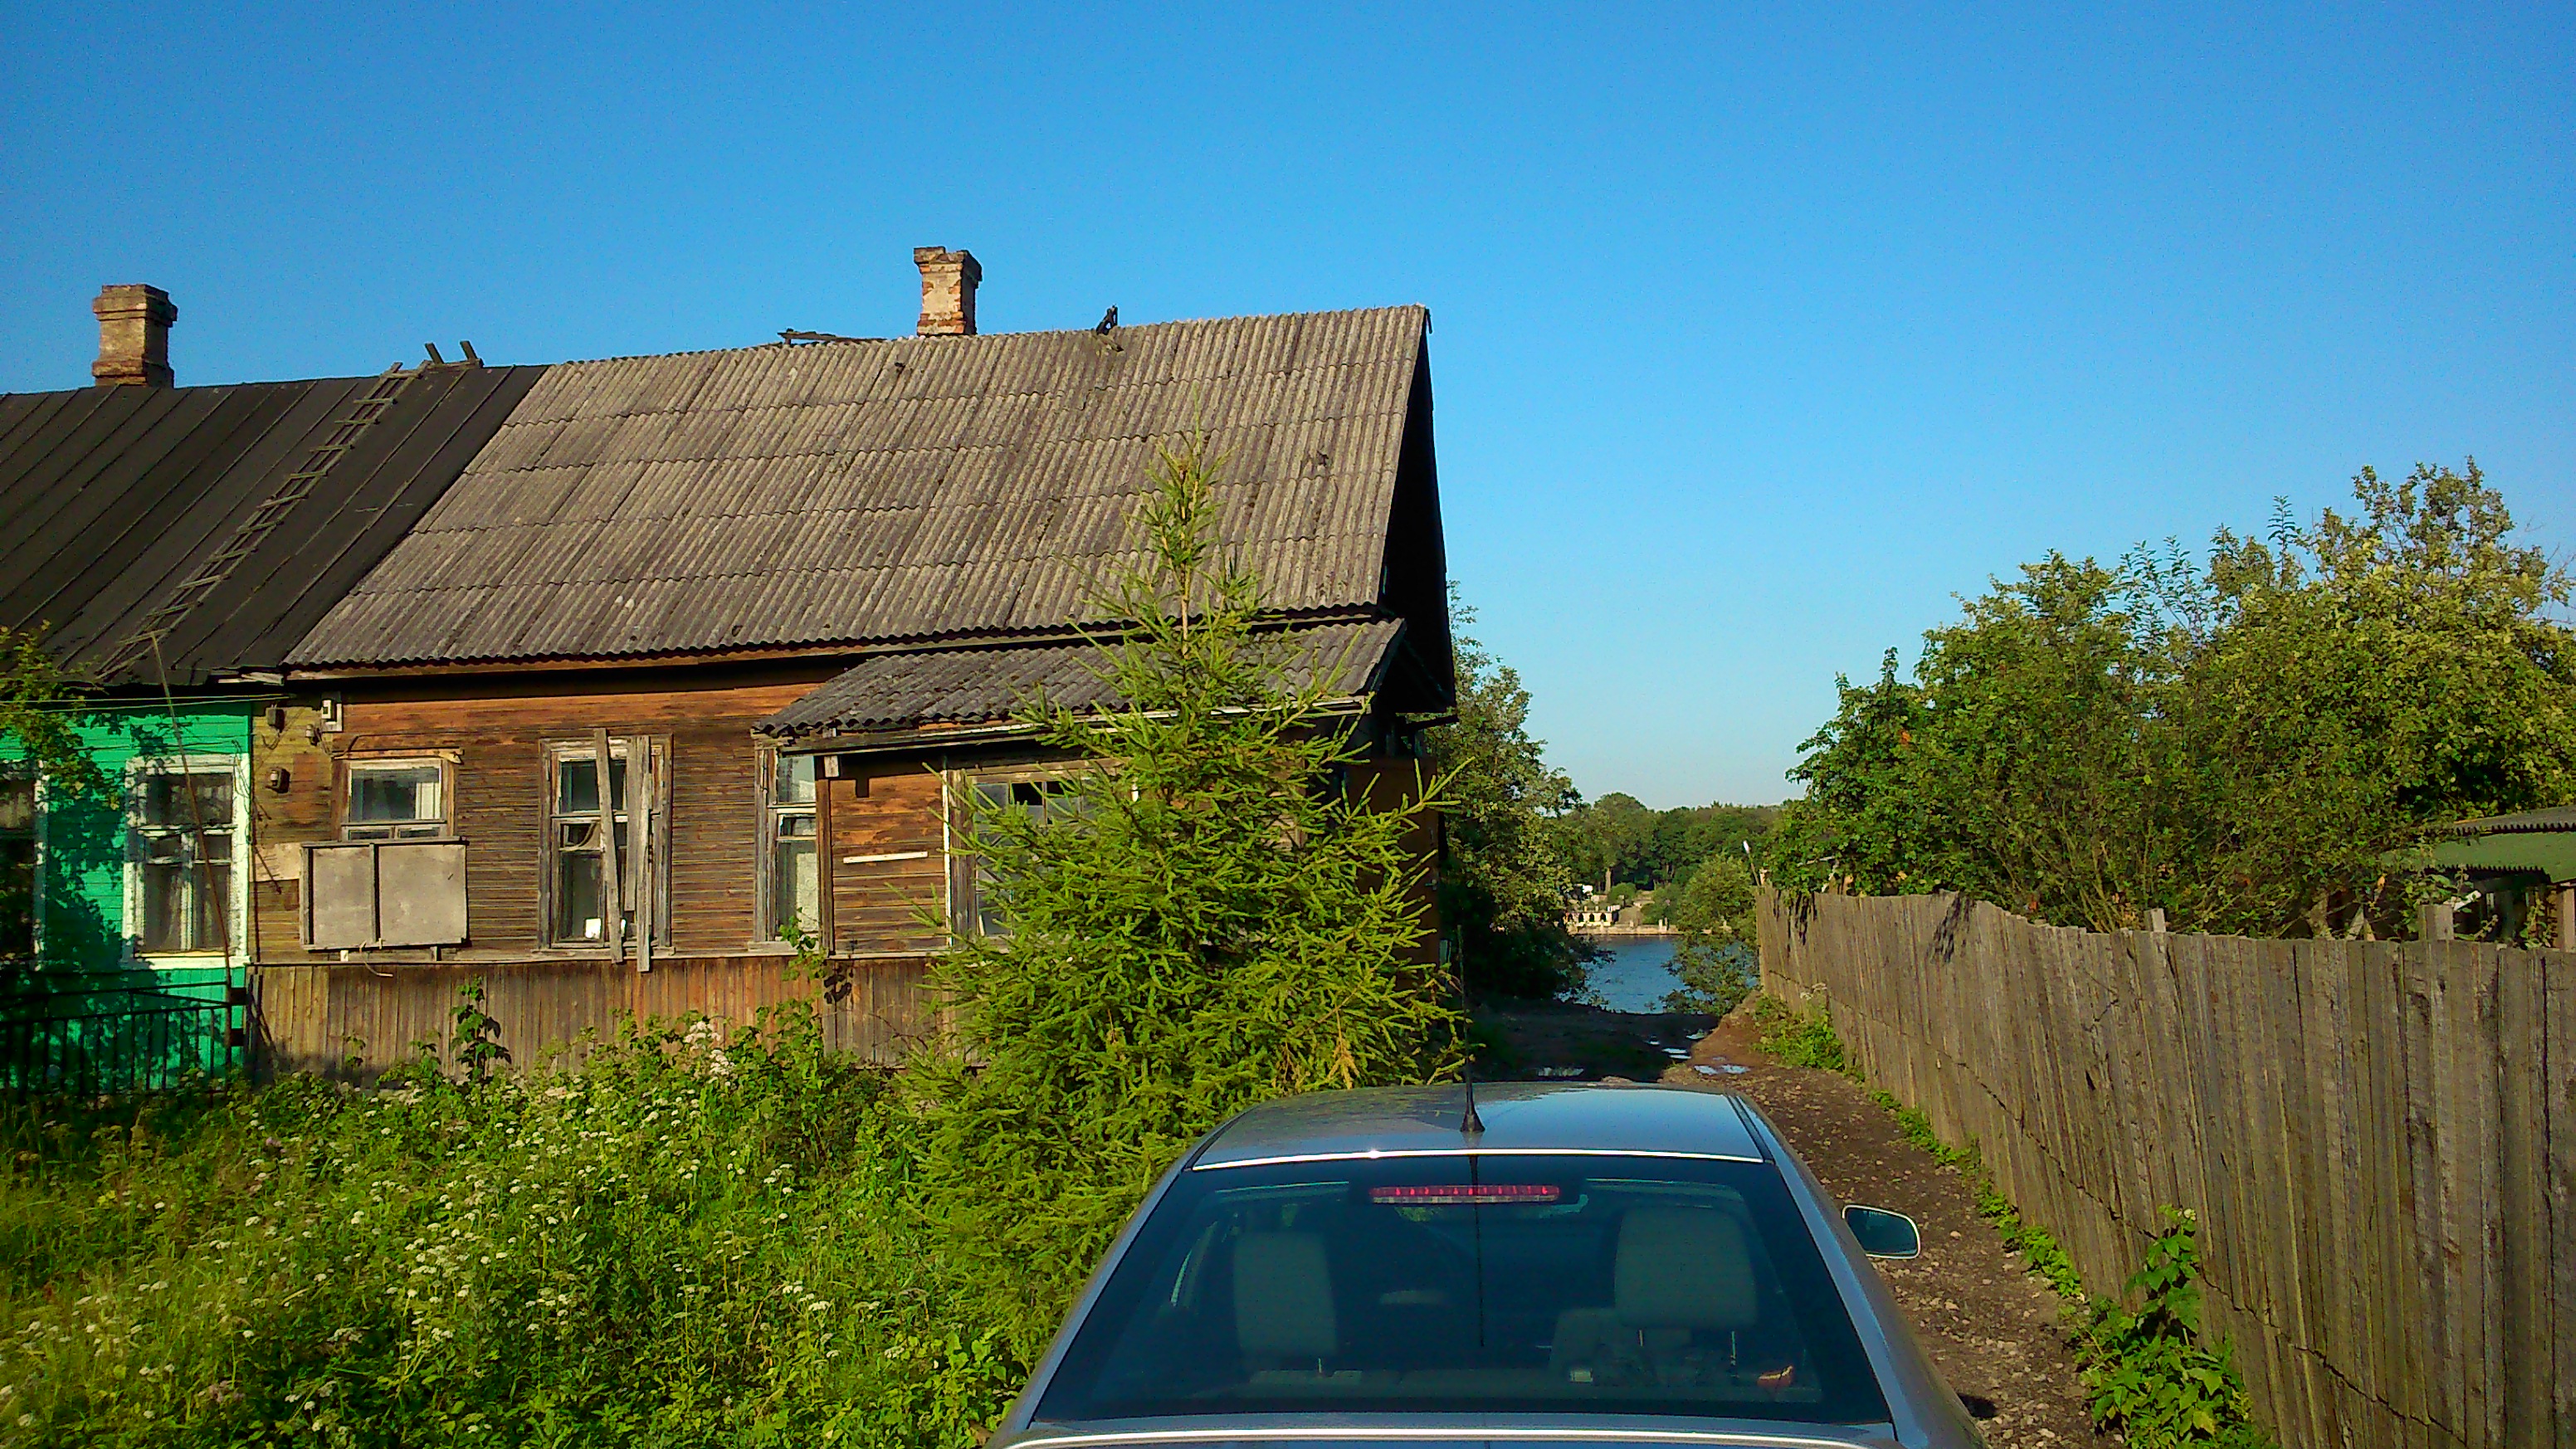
353,1021
2379,1138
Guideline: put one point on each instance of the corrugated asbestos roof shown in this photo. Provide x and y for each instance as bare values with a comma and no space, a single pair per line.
2560,817
113,498
979,684
913,488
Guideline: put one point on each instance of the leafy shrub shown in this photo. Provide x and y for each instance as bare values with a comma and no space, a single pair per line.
2150,1375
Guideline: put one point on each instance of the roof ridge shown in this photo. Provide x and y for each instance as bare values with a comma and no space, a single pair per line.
971,339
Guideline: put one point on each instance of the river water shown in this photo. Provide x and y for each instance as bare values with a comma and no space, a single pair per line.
1638,973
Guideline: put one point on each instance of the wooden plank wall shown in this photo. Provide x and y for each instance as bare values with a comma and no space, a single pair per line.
499,745
889,809
353,1021
2379,1139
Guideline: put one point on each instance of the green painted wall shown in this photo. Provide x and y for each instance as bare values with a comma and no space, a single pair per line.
92,1013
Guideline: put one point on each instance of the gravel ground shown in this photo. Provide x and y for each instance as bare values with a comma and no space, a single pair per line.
1990,1324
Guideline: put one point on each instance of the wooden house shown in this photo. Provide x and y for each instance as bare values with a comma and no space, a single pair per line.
788,596
169,545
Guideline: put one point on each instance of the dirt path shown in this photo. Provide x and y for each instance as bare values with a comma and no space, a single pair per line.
1989,1323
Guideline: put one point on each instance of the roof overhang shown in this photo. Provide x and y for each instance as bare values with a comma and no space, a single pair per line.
903,701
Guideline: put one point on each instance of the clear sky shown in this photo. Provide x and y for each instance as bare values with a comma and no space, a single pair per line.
1757,335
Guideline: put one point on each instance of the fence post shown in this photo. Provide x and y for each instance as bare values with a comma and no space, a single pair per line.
2434,922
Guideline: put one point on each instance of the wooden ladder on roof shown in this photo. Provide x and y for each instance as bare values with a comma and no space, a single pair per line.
263,520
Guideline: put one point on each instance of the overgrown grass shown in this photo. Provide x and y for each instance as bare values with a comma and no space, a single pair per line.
2146,1369
691,1238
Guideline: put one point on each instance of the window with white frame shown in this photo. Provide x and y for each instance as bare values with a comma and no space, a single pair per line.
791,877
395,800
17,864
184,827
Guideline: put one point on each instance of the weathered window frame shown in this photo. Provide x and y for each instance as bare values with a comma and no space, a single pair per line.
553,817
234,947
443,825
767,762
967,913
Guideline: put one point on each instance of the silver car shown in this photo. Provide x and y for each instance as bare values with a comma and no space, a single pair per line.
1540,1263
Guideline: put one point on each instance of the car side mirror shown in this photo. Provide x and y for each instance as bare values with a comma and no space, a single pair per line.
1884,1234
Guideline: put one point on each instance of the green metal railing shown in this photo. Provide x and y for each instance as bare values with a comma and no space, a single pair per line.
94,1034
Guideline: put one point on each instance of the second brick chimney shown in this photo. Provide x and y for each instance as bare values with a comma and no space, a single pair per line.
948,281
133,336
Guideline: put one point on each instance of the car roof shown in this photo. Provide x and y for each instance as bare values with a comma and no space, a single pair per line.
1553,1118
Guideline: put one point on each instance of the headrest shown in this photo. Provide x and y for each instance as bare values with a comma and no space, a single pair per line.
1683,1268
1283,1296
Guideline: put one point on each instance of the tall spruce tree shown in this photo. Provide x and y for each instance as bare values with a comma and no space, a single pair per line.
1203,914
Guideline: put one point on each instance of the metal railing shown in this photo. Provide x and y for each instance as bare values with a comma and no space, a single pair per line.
74,1034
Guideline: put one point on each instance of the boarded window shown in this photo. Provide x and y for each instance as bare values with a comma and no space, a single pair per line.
363,894
395,800
184,844
791,880
17,866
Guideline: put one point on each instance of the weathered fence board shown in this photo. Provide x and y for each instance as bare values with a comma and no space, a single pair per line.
2379,1140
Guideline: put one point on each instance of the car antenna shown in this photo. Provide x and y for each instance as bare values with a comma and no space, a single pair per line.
1470,1124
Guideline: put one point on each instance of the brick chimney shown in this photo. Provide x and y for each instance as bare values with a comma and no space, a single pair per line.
948,281
133,336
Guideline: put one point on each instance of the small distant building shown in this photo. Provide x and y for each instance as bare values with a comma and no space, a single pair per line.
2522,865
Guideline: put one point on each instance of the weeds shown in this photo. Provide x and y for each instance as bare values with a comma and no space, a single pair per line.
695,1237
2145,1370
1797,1039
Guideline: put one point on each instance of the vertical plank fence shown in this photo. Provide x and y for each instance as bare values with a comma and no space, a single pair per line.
2379,1138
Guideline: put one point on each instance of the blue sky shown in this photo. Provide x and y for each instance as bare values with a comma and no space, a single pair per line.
1756,336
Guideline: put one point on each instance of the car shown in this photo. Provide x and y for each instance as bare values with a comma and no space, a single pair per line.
1527,1262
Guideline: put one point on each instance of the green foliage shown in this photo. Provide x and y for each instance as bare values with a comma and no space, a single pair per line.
37,716
1799,1039
695,1237
1504,885
1619,838
1206,917
477,1043
1713,910
2150,1376
2246,742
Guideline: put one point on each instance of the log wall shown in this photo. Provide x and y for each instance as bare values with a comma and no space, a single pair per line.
2379,1139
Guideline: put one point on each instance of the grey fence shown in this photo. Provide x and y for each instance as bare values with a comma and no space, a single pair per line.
2379,1138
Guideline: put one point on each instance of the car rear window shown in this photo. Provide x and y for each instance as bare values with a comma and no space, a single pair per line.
1468,1284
